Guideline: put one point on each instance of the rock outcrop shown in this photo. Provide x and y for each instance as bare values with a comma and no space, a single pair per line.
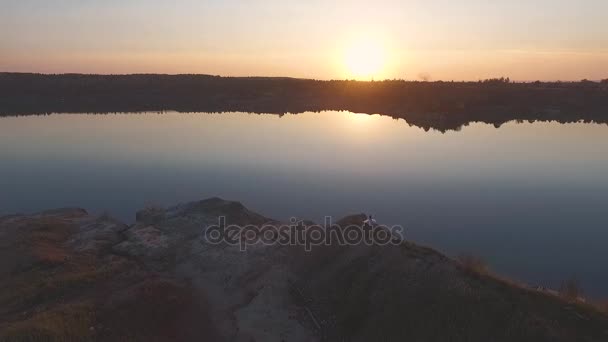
67,275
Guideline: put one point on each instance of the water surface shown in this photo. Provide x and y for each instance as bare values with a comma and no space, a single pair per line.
530,198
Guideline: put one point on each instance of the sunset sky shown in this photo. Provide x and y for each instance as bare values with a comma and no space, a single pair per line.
411,39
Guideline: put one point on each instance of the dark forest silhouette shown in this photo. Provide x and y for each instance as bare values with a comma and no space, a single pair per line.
437,105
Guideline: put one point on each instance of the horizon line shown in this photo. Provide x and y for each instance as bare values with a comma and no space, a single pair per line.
372,80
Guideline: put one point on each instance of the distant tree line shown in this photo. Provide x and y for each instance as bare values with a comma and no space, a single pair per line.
502,80
439,105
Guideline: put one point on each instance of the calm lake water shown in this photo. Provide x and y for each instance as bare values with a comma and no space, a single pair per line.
529,198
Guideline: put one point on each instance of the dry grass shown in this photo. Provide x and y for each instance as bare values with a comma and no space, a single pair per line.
49,292
41,296
42,269
68,323
571,290
473,263
371,298
602,305
44,242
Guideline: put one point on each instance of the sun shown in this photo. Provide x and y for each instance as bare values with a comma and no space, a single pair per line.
364,59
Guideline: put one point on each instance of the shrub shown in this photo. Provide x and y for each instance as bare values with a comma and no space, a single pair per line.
570,289
602,305
473,263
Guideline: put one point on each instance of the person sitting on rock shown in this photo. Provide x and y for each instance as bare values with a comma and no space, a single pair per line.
370,221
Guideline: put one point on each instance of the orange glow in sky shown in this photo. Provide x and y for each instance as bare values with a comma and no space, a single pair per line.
440,39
